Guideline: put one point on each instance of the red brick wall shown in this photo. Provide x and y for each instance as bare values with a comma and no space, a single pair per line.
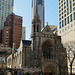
17,31
13,25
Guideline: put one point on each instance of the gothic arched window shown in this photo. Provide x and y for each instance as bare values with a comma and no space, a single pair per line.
37,28
47,50
34,28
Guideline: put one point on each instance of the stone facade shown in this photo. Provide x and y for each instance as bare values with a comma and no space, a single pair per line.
48,55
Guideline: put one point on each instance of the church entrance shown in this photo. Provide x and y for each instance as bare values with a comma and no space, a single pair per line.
49,66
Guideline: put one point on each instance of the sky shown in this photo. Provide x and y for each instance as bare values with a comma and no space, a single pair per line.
23,8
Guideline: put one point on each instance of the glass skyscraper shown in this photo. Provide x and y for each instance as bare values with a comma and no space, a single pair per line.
40,10
6,8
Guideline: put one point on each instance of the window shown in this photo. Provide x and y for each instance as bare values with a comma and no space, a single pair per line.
60,25
6,37
71,17
62,17
37,28
74,15
65,15
68,19
64,11
65,21
59,19
6,31
34,28
6,42
64,7
73,0
73,4
74,9
59,15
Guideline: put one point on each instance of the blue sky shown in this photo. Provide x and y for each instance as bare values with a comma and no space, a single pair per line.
23,8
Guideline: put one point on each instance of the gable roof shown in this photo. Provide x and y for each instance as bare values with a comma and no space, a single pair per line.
26,42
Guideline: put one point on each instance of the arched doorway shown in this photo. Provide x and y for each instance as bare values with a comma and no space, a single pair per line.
9,73
50,69
1,72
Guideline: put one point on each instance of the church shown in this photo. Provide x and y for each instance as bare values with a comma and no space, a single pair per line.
43,52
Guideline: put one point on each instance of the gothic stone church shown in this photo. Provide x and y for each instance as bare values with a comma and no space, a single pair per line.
44,51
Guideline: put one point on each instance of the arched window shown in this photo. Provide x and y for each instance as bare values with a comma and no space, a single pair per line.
34,28
37,28
47,50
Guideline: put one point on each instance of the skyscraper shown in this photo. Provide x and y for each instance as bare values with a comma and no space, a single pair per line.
66,27
6,8
40,11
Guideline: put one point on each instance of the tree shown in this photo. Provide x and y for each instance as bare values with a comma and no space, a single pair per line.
70,54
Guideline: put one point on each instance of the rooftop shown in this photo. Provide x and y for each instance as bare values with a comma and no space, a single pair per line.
26,42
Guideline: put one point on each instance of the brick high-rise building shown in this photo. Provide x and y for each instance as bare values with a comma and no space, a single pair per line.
12,31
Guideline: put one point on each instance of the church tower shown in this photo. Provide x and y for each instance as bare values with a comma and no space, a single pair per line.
35,35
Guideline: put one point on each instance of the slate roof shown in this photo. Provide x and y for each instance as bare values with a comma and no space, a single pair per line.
26,42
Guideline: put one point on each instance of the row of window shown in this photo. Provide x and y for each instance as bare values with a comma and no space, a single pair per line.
68,5
6,37
66,20
67,28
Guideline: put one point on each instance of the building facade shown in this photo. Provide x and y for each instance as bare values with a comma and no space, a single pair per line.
12,31
66,27
40,11
42,52
6,8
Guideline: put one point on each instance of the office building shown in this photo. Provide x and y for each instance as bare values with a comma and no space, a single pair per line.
6,8
12,31
40,11
66,27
